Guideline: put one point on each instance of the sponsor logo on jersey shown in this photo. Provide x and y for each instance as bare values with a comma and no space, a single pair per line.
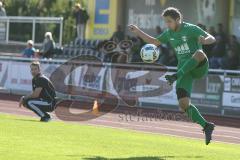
184,38
182,49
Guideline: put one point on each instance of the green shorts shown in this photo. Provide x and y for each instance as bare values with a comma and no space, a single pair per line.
186,81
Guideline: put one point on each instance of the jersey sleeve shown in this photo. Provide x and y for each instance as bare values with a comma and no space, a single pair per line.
163,38
197,32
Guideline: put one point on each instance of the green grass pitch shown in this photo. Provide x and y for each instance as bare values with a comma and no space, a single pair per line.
24,138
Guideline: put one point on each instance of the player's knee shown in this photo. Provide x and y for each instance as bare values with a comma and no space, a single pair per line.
183,106
199,56
184,103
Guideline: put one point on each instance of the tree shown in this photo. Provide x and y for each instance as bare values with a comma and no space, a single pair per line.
43,8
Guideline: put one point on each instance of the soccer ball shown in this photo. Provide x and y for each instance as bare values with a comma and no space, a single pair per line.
149,53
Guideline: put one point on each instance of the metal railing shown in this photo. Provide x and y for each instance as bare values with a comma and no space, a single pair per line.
154,66
221,95
32,20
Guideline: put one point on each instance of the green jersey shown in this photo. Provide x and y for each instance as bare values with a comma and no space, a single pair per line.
185,41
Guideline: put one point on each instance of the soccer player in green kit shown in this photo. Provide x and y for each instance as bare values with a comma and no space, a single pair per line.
187,40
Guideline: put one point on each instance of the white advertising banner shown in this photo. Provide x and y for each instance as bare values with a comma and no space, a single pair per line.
3,73
121,82
169,98
86,76
231,99
19,76
126,83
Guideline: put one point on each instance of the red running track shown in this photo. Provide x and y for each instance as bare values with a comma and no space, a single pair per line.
222,133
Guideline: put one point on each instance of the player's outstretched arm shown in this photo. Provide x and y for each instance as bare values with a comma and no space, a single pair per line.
209,39
147,38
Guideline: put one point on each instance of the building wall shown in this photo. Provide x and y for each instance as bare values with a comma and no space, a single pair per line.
103,18
147,13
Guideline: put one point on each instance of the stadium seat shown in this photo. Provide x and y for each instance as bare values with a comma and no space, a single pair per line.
81,47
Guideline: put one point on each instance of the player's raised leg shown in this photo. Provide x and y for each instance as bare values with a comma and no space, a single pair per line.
197,58
192,63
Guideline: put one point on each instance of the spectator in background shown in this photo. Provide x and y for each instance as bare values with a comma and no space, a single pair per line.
2,10
233,44
29,52
172,59
158,30
48,47
218,52
200,25
81,17
118,35
203,27
127,37
137,45
231,60
221,34
212,31
208,48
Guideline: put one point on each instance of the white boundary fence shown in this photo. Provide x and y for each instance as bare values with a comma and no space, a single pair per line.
217,93
5,23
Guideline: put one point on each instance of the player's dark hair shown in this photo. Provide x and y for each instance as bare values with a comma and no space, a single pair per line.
35,63
172,12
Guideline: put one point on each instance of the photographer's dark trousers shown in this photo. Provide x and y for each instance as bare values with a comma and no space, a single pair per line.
39,106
